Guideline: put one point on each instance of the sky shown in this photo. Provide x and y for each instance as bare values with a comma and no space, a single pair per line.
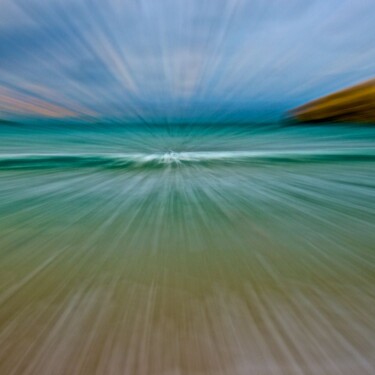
178,60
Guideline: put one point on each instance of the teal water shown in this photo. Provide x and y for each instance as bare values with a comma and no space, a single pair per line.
187,250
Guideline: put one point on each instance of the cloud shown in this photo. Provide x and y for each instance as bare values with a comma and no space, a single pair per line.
127,59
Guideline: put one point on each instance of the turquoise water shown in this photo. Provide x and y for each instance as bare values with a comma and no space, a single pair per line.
187,249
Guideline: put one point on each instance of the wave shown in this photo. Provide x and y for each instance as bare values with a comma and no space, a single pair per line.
170,159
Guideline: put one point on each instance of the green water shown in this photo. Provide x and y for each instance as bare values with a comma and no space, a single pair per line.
187,250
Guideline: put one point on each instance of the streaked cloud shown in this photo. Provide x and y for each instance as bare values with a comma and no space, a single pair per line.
180,59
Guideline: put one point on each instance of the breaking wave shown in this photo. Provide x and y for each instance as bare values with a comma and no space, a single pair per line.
167,159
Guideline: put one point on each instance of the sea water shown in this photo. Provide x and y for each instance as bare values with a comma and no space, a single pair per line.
187,249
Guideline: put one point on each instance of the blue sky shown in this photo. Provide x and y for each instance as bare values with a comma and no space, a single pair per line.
178,59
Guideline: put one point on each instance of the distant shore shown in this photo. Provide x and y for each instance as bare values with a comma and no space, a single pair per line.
353,104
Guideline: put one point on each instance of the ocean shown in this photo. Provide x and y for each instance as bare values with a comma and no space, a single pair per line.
187,249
